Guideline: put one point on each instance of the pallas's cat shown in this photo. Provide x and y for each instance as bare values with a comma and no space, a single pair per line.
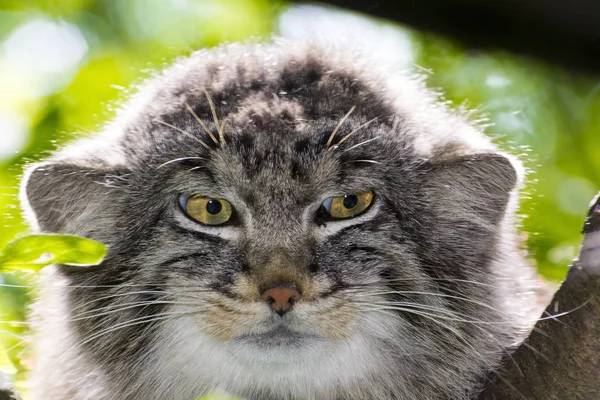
285,221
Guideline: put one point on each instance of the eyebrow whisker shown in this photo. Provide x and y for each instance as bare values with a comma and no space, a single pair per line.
214,114
342,140
363,161
184,132
361,143
180,160
338,126
202,124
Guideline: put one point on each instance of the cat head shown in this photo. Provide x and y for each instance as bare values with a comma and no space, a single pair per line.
285,217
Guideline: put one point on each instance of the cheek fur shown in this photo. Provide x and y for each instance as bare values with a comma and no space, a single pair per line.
224,321
336,321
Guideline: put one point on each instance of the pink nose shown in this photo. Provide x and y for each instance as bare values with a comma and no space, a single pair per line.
281,298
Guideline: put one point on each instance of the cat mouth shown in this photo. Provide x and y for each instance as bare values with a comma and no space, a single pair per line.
279,336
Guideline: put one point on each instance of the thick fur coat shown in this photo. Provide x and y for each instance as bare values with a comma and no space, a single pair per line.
418,297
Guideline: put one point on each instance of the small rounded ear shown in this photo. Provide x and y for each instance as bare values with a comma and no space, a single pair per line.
61,198
479,185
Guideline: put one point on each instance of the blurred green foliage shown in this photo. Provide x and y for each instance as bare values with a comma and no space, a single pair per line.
33,252
64,65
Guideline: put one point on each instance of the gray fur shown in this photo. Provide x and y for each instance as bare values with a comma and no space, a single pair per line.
418,298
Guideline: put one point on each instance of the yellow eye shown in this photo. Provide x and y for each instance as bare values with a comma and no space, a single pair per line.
348,206
206,210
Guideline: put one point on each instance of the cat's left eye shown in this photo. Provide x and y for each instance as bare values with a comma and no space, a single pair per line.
347,206
206,210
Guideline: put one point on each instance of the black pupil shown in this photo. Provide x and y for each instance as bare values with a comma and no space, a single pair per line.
213,207
350,201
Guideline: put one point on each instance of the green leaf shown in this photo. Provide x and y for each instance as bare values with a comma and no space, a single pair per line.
36,251
6,365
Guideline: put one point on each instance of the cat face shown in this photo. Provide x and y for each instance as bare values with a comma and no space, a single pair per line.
288,226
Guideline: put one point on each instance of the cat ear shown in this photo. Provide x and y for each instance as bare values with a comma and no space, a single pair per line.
476,185
66,198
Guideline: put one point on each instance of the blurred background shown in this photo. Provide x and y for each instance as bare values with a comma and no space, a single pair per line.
66,65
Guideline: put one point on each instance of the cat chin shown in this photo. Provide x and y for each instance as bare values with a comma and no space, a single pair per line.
273,344
280,339
294,362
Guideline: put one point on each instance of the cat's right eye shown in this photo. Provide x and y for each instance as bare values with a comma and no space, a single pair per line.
206,210
348,206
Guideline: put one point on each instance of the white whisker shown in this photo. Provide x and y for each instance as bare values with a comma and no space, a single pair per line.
117,308
202,124
338,126
214,114
443,295
362,143
363,161
184,132
342,140
133,322
180,160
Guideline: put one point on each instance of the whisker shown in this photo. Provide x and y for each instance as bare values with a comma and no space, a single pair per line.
214,114
354,286
504,349
342,140
117,308
161,294
457,334
338,126
202,124
536,351
116,295
555,316
361,143
541,332
443,295
128,285
408,307
184,132
424,279
362,161
411,308
133,322
510,386
21,341
180,160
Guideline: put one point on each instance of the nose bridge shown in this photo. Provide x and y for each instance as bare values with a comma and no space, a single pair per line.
276,226
276,258
277,235
277,264
278,247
